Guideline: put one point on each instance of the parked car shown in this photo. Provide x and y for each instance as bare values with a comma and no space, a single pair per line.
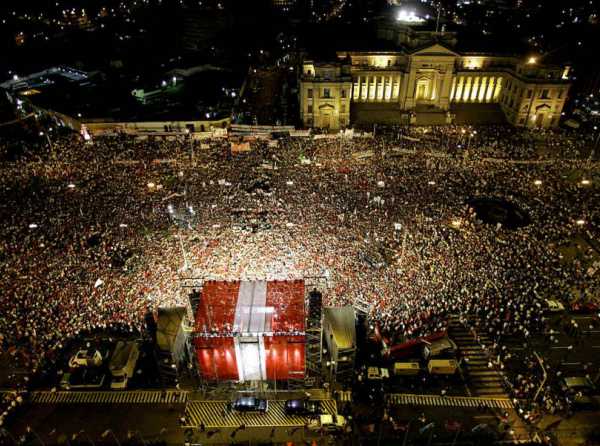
329,423
302,407
86,358
250,404
582,392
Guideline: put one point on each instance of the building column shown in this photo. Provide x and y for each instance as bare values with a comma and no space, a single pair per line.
482,89
459,89
453,90
490,89
467,89
475,89
498,88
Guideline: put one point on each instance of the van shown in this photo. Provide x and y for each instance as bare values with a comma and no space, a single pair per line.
406,368
442,366
122,363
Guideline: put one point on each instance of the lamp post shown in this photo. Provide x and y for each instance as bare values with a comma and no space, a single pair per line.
185,258
473,133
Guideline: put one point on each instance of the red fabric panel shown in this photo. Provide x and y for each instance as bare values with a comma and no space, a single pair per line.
216,310
284,357
216,358
287,297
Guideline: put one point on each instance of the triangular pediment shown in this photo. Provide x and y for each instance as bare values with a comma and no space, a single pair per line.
437,49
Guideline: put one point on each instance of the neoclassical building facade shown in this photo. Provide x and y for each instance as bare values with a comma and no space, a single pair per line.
432,81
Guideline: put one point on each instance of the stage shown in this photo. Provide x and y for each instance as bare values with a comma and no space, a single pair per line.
250,330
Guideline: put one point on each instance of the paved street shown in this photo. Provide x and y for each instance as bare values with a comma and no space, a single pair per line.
215,414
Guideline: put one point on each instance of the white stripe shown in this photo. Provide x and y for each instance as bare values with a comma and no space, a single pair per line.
238,358
256,319
243,306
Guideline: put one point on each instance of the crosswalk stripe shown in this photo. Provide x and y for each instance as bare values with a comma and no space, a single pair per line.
214,414
448,401
107,397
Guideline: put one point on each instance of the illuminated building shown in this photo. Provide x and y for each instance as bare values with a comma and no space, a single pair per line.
425,80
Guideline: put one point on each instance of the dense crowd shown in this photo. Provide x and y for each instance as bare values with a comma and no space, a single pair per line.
95,234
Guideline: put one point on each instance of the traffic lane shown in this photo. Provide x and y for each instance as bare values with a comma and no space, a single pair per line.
261,434
468,418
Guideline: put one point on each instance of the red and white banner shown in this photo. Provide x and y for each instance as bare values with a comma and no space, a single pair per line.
251,330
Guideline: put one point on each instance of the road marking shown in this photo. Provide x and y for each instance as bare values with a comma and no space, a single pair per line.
214,414
570,363
560,347
110,397
450,401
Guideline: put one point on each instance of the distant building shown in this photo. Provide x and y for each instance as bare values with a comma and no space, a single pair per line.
425,81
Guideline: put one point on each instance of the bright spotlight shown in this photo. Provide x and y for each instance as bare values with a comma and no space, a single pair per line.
408,17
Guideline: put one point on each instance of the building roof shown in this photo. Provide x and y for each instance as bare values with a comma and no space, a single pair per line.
343,328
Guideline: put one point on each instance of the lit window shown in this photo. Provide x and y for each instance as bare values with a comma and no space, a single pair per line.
309,93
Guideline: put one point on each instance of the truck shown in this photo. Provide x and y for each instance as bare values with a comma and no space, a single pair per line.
122,363
406,368
442,366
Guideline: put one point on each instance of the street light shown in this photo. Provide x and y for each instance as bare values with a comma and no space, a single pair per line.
538,182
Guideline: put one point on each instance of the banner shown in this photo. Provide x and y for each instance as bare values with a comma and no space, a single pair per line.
240,147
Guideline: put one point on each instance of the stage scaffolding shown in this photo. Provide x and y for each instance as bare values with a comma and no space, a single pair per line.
312,335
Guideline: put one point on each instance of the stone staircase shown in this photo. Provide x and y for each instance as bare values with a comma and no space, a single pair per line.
483,381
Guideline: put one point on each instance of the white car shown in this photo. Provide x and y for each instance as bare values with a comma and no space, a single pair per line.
85,358
327,422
